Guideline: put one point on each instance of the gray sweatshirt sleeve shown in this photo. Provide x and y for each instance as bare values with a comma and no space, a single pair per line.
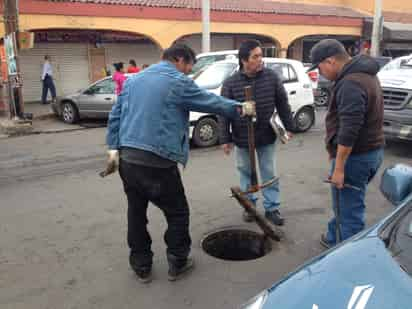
352,106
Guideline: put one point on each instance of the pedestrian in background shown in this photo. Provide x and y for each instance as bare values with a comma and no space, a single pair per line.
47,80
133,68
354,132
119,77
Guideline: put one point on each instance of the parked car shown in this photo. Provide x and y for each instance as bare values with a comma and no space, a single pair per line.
371,270
203,60
394,64
397,95
95,101
295,79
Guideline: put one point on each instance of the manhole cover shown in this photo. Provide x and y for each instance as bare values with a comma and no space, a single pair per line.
236,245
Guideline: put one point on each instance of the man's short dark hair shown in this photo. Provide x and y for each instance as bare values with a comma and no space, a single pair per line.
179,50
244,50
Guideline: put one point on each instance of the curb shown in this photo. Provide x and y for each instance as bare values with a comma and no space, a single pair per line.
38,132
45,116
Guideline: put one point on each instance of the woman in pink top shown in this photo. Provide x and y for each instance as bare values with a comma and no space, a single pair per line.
119,77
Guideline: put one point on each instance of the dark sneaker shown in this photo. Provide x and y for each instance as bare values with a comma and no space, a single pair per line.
144,274
248,217
274,217
176,273
324,241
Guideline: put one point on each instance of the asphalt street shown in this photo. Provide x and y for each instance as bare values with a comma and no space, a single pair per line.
63,228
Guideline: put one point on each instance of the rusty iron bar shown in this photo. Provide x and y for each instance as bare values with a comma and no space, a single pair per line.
271,232
263,185
251,144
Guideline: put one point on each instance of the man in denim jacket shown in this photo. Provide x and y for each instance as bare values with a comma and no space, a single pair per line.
149,127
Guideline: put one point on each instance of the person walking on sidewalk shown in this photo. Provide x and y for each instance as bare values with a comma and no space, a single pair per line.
47,80
354,132
149,125
269,93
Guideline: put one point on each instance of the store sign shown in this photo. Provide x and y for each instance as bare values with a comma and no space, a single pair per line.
10,45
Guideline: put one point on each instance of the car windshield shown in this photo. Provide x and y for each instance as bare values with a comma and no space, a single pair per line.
213,76
400,241
406,64
398,63
204,61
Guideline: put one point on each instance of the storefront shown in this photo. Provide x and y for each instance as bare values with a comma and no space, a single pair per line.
79,58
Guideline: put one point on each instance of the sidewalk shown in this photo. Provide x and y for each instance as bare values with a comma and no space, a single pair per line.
44,121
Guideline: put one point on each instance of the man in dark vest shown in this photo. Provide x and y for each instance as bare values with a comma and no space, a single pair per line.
354,132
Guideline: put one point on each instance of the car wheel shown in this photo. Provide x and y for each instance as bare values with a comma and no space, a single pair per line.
323,98
70,114
304,119
206,132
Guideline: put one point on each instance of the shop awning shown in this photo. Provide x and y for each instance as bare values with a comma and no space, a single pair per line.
392,31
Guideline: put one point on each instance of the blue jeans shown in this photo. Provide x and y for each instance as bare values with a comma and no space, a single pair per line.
359,171
266,159
48,84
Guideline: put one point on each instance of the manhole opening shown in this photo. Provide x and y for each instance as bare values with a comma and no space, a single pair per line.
236,245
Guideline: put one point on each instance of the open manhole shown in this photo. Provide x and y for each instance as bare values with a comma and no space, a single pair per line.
236,245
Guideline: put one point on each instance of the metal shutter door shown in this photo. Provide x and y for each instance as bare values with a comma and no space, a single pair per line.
122,52
70,68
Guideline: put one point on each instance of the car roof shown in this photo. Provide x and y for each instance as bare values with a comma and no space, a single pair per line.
265,59
222,52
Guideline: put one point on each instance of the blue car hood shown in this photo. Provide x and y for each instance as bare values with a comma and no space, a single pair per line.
361,274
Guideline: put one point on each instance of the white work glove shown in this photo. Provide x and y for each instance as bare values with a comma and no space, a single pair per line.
112,164
248,109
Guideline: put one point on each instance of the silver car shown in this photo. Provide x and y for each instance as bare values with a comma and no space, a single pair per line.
95,101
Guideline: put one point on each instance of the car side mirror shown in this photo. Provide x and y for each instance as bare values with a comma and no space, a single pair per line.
396,183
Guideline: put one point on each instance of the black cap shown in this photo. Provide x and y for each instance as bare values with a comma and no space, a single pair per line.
325,49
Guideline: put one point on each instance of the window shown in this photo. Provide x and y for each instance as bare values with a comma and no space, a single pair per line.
106,86
214,76
285,71
208,60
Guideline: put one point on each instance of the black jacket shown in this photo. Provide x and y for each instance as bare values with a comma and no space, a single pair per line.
268,93
355,115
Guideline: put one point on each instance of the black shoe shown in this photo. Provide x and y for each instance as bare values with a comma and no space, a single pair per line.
144,274
324,241
248,217
274,217
176,273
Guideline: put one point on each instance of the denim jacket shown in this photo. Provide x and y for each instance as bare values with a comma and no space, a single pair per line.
152,112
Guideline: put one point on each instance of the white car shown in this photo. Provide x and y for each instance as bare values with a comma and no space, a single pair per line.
203,60
204,127
397,96
393,65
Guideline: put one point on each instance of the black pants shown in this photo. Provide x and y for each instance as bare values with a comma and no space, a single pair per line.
163,187
48,84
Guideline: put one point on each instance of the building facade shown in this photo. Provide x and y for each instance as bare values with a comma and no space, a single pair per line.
84,37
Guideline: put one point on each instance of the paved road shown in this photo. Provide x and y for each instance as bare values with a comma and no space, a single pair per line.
62,227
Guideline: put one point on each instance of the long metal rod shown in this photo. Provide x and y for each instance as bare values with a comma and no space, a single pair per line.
251,144
270,231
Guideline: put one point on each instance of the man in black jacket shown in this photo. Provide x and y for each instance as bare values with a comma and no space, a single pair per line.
268,93
354,132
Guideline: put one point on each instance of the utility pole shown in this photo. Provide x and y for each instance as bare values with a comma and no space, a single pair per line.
205,26
11,25
376,31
